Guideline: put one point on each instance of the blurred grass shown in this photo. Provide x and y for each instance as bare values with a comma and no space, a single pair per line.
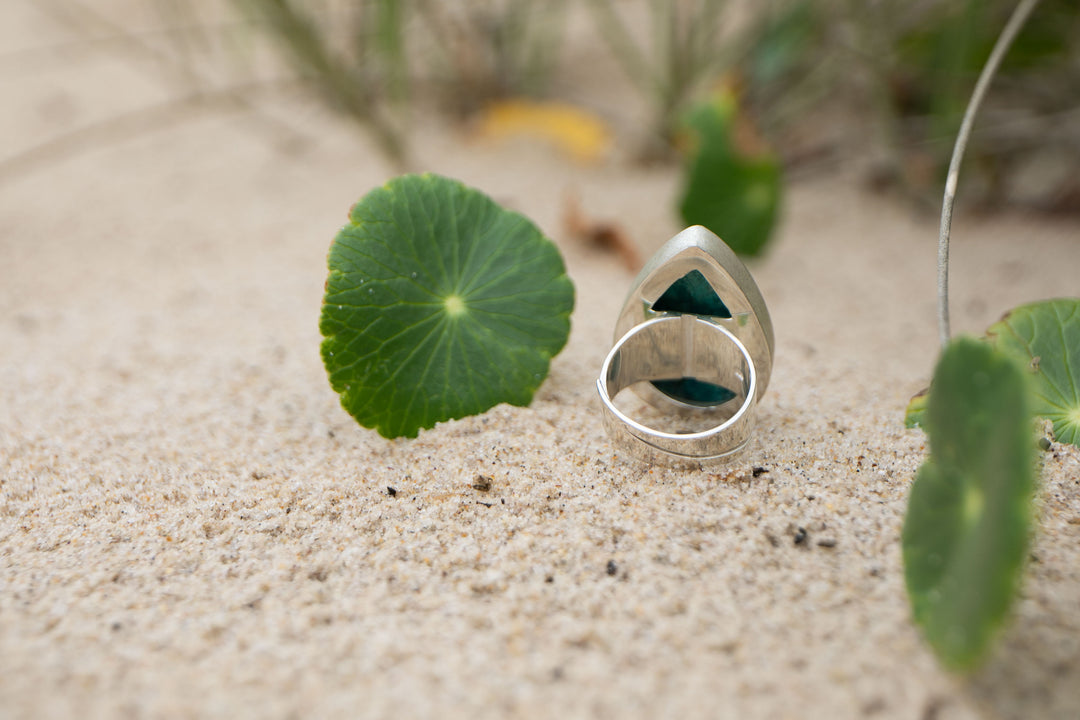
682,52
487,50
351,79
821,80
935,59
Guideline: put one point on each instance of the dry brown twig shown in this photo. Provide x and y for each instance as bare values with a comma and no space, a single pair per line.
607,235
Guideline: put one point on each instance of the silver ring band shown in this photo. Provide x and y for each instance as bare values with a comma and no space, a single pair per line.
671,348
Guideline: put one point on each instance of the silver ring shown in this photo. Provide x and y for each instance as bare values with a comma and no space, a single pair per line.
694,340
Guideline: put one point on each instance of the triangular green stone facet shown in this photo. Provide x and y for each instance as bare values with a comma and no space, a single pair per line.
692,295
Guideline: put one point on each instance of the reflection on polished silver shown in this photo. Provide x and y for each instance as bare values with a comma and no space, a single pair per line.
694,338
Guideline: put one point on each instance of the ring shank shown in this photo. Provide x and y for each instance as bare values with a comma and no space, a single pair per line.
674,347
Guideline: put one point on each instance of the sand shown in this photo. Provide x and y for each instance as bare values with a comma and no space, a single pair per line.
191,526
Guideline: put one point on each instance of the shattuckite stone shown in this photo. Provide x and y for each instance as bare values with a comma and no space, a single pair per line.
694,392
693,295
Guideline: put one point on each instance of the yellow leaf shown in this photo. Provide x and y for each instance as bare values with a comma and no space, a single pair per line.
573,130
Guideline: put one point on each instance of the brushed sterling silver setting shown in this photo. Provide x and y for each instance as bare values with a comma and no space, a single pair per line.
726,343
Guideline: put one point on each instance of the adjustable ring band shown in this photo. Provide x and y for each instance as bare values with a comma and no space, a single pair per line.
694,337
672,349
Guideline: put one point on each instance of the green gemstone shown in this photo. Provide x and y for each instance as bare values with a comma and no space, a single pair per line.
694,392
692,295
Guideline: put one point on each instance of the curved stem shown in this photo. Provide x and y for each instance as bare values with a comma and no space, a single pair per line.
1016,21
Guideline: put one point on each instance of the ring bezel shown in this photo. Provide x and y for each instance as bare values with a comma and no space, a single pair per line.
696,248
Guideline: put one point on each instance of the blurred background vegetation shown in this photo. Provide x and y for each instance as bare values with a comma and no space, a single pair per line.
754,90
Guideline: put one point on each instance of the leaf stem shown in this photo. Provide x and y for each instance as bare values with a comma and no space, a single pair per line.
1004,41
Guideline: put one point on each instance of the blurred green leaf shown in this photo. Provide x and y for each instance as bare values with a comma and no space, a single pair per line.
439,304
1045,336
733,191
966,532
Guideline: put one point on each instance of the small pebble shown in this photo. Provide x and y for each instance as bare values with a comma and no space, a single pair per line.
612,568
827,542
392,492
482,483
800,536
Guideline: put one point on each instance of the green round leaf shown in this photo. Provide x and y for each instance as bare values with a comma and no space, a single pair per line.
734,195
1045,336
966,531
439,304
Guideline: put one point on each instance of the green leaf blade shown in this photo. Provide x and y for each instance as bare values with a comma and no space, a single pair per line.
439,304
966,532
733,193
1045,336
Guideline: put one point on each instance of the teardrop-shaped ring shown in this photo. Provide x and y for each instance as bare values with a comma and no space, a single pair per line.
694,337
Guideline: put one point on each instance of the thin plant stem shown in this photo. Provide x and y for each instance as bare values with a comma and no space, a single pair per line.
391,18
136,123
622,44
442,26
1004,41
84,19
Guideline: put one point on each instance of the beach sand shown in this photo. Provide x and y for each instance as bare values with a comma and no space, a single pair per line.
191,526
